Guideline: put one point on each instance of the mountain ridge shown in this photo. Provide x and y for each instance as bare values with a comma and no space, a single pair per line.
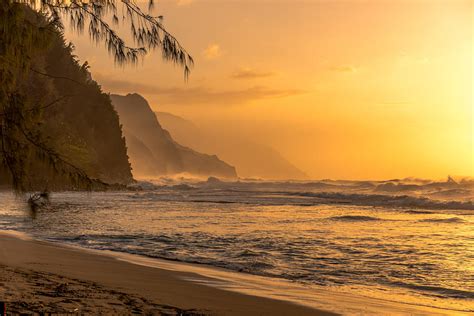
260,161
152,149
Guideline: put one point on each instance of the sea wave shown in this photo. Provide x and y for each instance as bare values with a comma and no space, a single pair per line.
334,244
354,218
443,220
437,290
193,194
388,200
418,212
400,193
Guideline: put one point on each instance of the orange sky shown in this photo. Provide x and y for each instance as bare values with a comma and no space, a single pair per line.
343,89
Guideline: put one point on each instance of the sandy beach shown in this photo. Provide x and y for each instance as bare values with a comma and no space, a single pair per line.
191,157
41,277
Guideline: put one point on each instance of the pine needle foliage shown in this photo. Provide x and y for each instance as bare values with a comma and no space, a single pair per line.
26,29
147,30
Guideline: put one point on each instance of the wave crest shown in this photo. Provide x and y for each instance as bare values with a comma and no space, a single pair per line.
355,218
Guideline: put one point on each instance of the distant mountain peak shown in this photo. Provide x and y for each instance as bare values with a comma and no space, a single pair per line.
253,160
152,149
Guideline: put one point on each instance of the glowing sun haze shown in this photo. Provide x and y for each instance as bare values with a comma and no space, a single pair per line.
343,89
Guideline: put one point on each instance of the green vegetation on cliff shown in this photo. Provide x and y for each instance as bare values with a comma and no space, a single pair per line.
73,118
55,135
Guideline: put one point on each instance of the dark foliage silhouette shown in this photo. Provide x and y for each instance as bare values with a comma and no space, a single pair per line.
31,91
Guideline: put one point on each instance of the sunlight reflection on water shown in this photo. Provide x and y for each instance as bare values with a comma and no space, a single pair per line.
418,255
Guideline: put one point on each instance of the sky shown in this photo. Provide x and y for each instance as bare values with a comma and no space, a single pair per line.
343,89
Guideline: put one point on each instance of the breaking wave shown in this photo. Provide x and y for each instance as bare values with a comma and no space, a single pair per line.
409,193
388,200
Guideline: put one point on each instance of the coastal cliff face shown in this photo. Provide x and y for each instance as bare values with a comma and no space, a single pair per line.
86,127
251,159
152,150
78,121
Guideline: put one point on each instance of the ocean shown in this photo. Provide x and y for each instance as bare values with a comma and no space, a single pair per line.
407,240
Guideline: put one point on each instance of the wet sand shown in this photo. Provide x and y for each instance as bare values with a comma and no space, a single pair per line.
42,277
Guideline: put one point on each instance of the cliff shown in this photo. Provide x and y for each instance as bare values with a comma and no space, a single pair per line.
152,150
78,121
251,159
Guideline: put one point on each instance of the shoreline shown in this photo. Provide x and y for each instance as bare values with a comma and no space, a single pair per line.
127,287
58,278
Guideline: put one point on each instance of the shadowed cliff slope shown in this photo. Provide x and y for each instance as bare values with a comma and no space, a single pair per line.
152,150
78,121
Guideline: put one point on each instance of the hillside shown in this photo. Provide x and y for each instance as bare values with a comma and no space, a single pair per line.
77,120
250,159
152,150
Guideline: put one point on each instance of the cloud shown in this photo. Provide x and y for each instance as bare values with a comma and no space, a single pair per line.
344,68
196,95
212,51
249,73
